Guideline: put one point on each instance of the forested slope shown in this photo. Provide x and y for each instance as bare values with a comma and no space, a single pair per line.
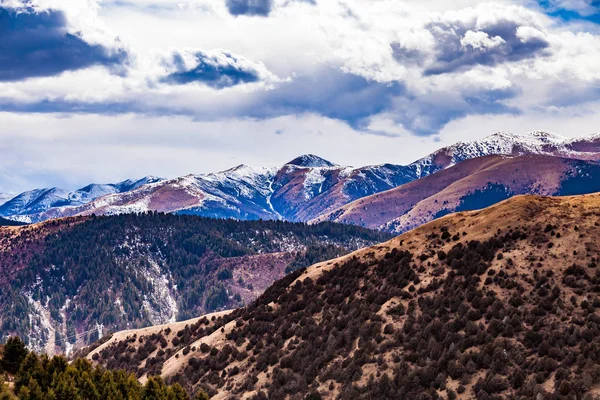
65,282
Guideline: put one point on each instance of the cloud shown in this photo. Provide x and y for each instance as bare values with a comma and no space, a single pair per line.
249,7
345,60
218,69
37,43
461,45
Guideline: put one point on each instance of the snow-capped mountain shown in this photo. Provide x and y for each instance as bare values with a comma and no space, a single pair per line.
311,161
27,205
536,142
301,190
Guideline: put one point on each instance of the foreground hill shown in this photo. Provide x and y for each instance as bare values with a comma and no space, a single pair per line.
301,190
62,282
470,185
492,304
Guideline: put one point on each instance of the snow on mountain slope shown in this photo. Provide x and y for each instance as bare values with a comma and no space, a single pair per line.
471,184
301,190
34,201
27,205
311,161
536,142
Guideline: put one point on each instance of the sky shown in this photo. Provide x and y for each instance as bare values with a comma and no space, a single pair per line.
104,90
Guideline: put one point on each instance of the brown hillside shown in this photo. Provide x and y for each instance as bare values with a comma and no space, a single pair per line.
415,203
492,304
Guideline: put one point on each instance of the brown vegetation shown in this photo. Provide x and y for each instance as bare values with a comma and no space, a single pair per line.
499,303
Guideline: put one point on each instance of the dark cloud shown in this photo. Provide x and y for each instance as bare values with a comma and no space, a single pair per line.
329,93
427,115
452,56
217,71
260,8
249,7
406,56
37,44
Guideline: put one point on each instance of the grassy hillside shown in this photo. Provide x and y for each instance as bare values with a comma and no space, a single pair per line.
494,304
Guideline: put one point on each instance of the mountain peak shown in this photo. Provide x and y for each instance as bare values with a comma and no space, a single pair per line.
310,161
545,136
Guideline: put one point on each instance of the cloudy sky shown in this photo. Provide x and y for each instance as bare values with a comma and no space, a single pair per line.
103,90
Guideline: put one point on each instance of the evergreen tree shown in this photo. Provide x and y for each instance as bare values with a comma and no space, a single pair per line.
14,354
155,389
33,392
65,388
29,371
201,395
176,392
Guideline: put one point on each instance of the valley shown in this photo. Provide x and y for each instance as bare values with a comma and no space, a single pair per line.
64,283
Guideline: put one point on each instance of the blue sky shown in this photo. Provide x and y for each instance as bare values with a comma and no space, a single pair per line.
103,90
573,10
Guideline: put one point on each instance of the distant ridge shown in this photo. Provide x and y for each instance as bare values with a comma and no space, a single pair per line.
303,189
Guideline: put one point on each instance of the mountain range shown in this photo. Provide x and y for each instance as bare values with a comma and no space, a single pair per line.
303,189
37,201
490,304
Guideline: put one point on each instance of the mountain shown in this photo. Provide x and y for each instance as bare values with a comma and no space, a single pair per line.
492,304
301,190
62,282
536,142
27,205
470,185
292,192
311,161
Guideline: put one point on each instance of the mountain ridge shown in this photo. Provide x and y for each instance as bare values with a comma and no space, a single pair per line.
300,190
468,185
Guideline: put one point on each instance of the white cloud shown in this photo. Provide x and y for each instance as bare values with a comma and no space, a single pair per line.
480,40
412,67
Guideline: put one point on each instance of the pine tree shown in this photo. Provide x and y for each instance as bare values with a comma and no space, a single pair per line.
176,392
87,389
34,391
155,389
29,371
201,395
65,388
14,354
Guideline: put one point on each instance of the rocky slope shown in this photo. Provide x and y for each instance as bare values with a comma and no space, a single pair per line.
301,190
64,282
492,304
469,185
